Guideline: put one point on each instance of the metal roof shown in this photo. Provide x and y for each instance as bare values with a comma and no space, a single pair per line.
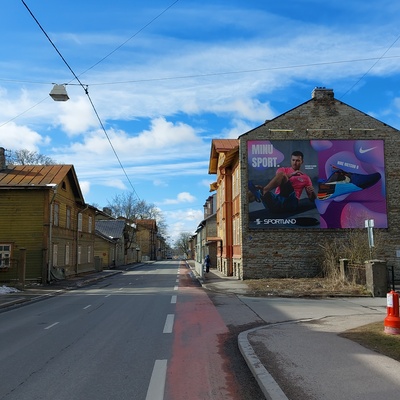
112,229
39,177
227,146
33,175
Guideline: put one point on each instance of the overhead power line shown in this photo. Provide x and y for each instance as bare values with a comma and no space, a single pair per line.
372,66
129,39
222,73
85,88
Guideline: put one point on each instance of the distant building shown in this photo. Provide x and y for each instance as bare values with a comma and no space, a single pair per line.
115,242
207,241
147,239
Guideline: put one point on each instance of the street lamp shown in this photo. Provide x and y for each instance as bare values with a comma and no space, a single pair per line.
59,93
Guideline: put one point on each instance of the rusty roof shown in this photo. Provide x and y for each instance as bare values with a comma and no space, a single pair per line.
146,223
221,146
39,176
224,145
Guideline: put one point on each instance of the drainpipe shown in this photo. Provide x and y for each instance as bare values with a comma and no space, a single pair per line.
77,238
50,250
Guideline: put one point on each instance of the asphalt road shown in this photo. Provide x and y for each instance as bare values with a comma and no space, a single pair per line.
150,333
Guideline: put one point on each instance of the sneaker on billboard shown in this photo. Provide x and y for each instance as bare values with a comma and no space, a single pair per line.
342,182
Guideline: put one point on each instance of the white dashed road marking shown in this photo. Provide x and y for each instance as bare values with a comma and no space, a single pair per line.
169,323
51,326
157,381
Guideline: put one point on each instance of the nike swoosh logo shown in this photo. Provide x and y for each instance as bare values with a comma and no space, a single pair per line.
362,151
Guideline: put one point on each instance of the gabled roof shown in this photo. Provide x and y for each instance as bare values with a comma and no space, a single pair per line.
111,229
39,176
227,146
146,223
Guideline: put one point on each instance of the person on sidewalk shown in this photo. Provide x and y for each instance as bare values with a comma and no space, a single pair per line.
207,263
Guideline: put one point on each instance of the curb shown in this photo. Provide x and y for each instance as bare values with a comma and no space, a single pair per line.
267,383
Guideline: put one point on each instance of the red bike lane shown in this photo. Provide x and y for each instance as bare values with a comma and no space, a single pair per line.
198,369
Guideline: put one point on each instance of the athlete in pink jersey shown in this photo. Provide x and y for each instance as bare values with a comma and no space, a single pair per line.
288,183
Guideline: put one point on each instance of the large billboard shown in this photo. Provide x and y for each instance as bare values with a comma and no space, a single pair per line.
316,183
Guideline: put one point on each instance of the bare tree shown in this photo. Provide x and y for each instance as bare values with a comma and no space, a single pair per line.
123,205
128,206
27,157
182,243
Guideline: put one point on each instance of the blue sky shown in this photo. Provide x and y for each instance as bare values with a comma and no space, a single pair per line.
166,77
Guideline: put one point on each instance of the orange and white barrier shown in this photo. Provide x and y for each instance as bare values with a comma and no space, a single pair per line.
392,320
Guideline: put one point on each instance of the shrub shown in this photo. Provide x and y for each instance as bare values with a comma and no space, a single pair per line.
351,245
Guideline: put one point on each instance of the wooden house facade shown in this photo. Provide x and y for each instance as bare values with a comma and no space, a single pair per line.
43,214
147,239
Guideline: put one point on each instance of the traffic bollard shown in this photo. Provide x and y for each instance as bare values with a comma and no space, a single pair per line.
392,320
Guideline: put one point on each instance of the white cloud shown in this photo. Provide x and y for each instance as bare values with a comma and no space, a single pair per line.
85,187
183,221
166,134
183,197
160,183
207,182
16,137
247,109
77,115
161,138
115,183
238,128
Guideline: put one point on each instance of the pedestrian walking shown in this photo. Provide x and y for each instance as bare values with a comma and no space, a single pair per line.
207,263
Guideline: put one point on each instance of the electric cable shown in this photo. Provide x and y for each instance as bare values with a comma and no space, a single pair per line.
134,35
372,66
85,88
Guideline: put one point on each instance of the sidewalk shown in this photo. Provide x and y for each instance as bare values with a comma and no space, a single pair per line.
302,347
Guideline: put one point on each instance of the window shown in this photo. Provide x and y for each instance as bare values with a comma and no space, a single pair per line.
79,222
236,231
56,214
79,254
235,183
89,254
90,225
5,251
55,255
68,219
67,257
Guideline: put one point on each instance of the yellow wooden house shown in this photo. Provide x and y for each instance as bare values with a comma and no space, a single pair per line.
47,231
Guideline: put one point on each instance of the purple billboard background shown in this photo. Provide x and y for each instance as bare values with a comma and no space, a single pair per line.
347,202
362,157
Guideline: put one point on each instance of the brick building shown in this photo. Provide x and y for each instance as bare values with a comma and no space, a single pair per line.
353,163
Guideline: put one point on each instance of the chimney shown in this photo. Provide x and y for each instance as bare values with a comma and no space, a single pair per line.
107,210
320,93
2,159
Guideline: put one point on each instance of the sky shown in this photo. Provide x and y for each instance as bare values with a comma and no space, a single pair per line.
152,82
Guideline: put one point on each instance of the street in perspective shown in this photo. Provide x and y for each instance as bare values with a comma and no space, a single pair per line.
150,332
155,331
